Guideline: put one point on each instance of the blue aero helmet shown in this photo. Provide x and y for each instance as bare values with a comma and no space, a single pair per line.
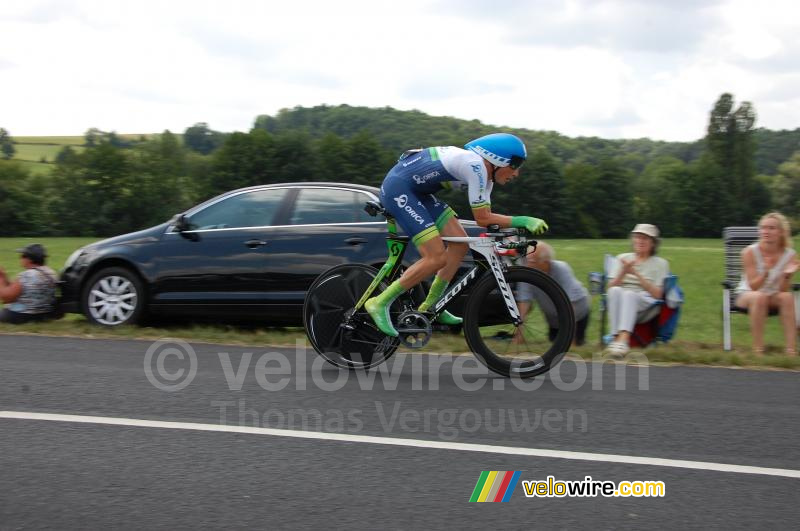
500,149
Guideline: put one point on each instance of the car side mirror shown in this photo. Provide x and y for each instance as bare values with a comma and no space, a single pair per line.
181,223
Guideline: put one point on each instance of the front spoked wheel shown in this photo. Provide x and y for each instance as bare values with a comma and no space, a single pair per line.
345,337
524,350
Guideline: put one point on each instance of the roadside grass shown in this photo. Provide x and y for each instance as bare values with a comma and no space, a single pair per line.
698,263
264,338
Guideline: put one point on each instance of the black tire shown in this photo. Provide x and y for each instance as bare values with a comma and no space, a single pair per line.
331,297
521,351
113,296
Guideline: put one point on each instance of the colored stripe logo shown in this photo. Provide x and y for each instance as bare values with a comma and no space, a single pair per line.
495,486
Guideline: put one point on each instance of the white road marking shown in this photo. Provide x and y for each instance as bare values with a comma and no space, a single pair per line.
415,443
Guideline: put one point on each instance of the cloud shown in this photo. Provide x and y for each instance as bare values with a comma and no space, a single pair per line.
266,55
775,64
627,68
46,12
142,95
427,88
623,25
783,57
781,88
757,39
313,78
613,118
237,46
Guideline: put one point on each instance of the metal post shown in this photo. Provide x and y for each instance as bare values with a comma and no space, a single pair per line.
726,319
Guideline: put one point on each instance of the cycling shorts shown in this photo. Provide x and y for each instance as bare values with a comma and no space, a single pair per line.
421,215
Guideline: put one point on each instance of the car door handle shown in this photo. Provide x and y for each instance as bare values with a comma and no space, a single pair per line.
255,243
355,241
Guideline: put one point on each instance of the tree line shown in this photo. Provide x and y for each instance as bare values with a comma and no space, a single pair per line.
584,188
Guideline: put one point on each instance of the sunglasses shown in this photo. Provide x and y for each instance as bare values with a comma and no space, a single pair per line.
516,162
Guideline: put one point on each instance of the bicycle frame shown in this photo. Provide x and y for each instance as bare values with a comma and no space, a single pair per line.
486,247
483,245
397,248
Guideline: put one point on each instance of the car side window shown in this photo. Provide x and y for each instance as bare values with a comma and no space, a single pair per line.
326,205
249,209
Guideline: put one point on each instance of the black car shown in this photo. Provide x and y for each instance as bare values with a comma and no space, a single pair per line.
248,253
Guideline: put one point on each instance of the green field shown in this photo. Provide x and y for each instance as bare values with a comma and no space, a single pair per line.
58,140
35,168
35,152
698,263
31,149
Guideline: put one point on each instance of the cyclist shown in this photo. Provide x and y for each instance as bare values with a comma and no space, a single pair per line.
407,194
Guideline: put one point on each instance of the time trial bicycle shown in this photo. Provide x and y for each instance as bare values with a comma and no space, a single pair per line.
511,336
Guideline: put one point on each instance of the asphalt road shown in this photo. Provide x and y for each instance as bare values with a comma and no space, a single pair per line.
78,474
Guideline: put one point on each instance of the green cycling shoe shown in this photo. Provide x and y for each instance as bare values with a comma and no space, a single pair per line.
447,318
380,315
378,308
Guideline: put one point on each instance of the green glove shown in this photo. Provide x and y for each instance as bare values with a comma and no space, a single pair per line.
532,225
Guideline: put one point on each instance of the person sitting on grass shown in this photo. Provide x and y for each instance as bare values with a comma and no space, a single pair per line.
32,295
768,266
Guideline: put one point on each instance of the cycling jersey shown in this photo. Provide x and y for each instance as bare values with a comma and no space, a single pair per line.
407,191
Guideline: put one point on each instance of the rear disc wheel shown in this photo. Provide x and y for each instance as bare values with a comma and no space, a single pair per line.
344,337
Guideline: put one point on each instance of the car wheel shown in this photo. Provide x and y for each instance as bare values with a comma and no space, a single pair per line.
113,296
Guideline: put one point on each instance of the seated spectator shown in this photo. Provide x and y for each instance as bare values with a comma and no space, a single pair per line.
767,269
636,282
543,259
32,295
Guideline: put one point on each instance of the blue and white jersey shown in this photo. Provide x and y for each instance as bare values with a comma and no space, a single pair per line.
445,167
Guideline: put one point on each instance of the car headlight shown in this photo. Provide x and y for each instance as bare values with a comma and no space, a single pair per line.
78,258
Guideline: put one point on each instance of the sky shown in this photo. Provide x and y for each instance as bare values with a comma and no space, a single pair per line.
613,69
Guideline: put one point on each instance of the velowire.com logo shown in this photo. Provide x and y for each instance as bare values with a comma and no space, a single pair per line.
495,486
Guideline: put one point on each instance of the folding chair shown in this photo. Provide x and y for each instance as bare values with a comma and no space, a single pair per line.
736,239
657,324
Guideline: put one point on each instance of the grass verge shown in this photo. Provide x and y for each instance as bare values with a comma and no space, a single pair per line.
674,353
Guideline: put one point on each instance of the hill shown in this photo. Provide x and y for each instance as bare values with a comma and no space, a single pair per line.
394,129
